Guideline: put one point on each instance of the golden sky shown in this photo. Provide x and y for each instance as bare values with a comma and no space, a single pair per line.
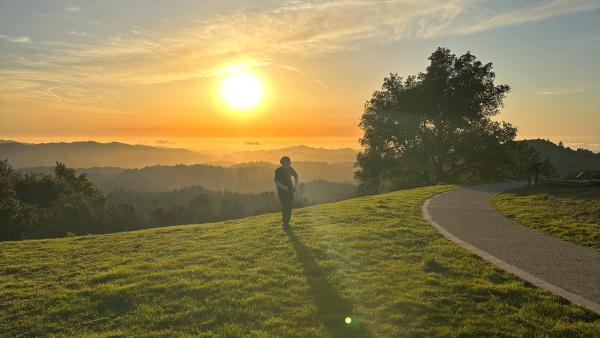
138,70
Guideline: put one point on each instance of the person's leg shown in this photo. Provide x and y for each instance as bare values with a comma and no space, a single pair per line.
282,201
286,208
290,207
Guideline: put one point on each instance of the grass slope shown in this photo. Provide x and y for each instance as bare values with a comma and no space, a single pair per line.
373,259
569,213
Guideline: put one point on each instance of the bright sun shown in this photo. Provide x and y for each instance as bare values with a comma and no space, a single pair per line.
242,90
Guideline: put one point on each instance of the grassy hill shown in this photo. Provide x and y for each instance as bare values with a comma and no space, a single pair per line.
569,213
372,260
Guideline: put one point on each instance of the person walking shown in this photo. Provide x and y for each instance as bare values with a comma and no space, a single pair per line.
285,188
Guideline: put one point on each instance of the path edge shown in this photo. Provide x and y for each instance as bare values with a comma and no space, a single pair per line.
557,290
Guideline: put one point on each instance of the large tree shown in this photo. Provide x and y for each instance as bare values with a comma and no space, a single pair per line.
435,126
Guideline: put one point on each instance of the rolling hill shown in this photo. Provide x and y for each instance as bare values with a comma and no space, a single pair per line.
565,159
93,154
115,154
297,153
364,267
247,177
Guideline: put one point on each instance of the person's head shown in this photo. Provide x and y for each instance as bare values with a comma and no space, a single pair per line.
285,161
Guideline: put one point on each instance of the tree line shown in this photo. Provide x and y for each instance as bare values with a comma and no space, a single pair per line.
43,206
34,205
247,177
196,204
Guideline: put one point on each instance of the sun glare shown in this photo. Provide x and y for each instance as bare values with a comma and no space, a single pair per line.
242,90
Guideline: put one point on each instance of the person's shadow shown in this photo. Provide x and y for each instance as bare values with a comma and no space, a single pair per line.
335,311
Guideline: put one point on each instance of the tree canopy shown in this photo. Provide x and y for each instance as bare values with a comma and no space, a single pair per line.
435,126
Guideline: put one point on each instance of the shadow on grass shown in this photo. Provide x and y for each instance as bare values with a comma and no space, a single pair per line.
332,308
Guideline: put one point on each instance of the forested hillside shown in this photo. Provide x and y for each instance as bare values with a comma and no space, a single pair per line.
565,159
248,177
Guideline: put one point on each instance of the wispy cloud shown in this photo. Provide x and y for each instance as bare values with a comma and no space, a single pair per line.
73,9
529,13
76,33
15,39
301,28
559,91
302,74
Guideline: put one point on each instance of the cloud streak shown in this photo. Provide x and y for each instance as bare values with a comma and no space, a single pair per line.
73,9
15,39
304,29
526,14
559,91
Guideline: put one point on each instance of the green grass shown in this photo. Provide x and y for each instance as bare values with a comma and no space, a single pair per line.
569,213
373,259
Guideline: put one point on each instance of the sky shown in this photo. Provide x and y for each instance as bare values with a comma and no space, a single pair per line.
149,71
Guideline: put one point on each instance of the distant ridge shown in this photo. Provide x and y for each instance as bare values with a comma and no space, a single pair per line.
297,153
87,154
564,158
95,154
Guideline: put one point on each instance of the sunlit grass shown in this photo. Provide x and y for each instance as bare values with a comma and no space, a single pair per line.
569,213
372,260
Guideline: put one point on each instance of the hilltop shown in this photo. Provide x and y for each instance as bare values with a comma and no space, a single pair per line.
565,159
297,153
371,262
123,155
93,154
